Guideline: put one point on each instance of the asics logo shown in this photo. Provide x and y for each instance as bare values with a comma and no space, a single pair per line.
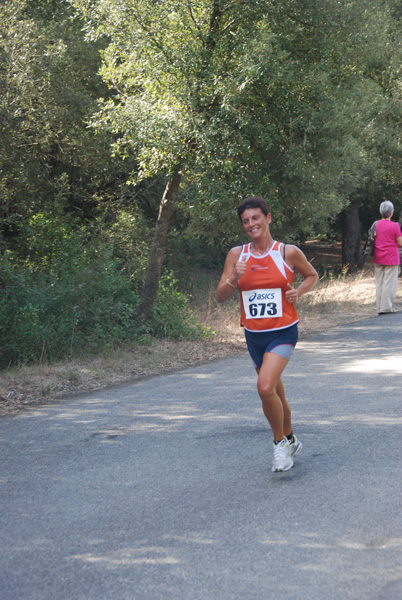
255,296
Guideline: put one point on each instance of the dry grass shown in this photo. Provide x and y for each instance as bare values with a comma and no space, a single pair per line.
333,302
340,300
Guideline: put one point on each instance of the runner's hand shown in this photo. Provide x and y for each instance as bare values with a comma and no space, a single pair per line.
241,266
291,294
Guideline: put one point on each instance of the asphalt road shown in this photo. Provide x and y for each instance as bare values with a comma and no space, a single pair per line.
163,489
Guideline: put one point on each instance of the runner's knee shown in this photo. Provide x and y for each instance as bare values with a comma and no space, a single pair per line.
266,389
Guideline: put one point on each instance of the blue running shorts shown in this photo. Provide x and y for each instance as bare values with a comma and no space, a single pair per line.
282,342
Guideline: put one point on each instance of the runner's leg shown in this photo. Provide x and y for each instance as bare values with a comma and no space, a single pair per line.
272,393
287,420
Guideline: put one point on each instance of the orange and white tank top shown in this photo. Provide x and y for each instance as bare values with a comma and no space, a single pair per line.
262,291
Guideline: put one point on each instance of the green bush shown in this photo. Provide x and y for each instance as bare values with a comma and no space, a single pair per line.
74,295
171,317
60,314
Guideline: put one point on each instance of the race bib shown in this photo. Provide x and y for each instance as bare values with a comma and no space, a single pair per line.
263,304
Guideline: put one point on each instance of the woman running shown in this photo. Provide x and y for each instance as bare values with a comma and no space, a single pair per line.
263,271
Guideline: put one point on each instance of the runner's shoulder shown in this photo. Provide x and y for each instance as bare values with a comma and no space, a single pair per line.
235,252
292,250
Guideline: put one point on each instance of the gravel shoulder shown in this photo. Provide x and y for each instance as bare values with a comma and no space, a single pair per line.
28,387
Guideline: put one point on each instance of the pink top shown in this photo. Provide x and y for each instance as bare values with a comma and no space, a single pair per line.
386,249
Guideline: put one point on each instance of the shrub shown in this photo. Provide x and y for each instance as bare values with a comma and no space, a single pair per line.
171,317
74,296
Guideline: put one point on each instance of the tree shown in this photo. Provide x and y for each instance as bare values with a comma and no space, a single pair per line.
209,90
372,114
225,98
49,158
165,61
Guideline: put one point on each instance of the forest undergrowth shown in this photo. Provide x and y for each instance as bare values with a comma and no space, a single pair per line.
336,300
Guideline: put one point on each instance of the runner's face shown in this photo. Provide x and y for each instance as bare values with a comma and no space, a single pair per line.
255,223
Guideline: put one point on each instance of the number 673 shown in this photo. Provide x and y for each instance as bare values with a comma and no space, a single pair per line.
260,310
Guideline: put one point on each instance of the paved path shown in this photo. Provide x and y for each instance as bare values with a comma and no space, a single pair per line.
162,490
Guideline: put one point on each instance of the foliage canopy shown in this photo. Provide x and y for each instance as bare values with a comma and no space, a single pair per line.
116,115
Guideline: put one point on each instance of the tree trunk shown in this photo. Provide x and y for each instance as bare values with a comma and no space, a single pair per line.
351,237
154,269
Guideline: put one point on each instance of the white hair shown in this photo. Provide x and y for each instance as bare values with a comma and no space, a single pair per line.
386,209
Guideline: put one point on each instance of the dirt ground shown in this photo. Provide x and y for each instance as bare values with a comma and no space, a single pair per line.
28,387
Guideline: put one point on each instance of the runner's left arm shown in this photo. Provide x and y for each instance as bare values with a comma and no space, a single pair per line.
297,260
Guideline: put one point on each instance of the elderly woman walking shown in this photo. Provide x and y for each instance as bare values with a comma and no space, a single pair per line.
386,259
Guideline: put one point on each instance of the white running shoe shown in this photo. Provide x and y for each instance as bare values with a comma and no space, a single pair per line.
295,447
282,459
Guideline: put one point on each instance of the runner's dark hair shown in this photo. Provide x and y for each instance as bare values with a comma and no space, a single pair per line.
253,202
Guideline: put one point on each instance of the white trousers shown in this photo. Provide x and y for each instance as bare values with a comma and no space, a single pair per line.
386,286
